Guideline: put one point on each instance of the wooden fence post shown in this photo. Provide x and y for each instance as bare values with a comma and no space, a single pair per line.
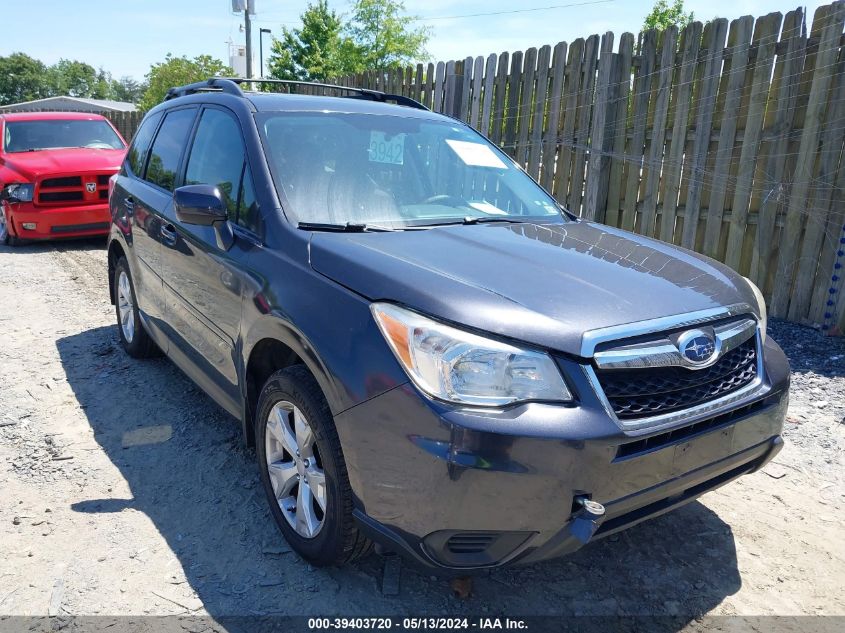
601,137
454,89
779,118
714,39
654,157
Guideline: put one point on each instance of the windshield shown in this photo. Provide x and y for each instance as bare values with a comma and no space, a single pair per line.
394,171
28,136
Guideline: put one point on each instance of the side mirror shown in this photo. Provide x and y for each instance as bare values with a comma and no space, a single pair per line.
203,205
199,204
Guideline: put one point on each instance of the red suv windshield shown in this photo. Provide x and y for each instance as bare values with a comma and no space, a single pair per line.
28,136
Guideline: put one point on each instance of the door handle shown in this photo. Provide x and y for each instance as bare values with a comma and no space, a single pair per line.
168,234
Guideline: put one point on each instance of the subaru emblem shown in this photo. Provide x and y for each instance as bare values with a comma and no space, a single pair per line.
697,347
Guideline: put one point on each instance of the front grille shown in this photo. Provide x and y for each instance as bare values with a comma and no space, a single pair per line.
64,190
60,196
67,181
639,393
684,433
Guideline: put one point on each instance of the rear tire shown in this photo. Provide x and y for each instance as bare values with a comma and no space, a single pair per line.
309,493
133,336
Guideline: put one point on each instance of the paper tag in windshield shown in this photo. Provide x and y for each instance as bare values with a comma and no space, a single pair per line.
476,154
486,207
387,150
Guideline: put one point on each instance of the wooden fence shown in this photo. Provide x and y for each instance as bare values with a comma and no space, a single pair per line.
725,138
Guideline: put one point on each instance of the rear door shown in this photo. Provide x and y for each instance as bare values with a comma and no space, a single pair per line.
203,282
147,195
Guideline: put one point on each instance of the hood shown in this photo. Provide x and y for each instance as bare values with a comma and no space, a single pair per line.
545,284
35,165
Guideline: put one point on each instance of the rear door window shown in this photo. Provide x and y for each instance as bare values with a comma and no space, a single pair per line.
140,144
166,152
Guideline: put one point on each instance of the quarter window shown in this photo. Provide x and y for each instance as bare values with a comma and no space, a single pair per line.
163,165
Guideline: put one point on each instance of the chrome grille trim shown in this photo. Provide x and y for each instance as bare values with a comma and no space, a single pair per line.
592,338
744,395
664,352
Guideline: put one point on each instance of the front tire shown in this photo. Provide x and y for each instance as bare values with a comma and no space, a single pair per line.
133,336
5,236
303,471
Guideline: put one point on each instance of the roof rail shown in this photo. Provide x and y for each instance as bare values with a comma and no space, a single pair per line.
214,84
231,85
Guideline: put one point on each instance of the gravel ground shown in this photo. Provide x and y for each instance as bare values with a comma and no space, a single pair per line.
125,490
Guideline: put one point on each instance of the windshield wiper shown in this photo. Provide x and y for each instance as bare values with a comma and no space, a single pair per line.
474,220
349,227
43,149
486,220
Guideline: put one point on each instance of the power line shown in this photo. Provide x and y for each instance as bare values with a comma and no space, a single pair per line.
486,14
531,10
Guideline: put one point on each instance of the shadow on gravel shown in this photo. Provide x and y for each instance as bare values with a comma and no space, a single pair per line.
84,244
809,351
198,485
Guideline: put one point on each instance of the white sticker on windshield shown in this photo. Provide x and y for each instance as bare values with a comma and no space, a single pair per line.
476,154
387,150
486,207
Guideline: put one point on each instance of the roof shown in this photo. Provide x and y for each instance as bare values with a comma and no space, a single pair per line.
74,103
51,116
276,102
349,101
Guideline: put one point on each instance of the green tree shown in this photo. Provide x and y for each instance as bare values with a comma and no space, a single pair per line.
73,78
177,71
22,78
127,89
312,53
383,36
664,14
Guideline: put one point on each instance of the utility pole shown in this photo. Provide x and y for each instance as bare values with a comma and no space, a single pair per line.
248,33
261,33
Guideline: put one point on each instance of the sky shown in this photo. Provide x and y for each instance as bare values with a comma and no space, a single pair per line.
126,36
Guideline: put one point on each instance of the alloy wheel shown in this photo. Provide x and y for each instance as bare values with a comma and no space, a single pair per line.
125,306
295,469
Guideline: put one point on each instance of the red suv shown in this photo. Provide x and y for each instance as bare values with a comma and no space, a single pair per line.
54,174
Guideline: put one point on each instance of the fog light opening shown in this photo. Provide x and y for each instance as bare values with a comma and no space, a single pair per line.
29,226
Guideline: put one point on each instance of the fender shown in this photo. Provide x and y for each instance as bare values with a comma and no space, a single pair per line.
274,327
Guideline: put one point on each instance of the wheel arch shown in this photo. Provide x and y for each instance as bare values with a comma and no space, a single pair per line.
115,252
274,344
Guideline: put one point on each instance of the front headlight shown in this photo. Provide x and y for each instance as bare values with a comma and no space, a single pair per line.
761,306
18,192
465,368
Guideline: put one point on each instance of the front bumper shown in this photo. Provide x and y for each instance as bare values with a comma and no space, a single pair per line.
58,222
468,489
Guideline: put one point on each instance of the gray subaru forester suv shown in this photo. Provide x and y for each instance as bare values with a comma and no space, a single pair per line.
426,351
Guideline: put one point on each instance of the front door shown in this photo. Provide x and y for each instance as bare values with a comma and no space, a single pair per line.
203,281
